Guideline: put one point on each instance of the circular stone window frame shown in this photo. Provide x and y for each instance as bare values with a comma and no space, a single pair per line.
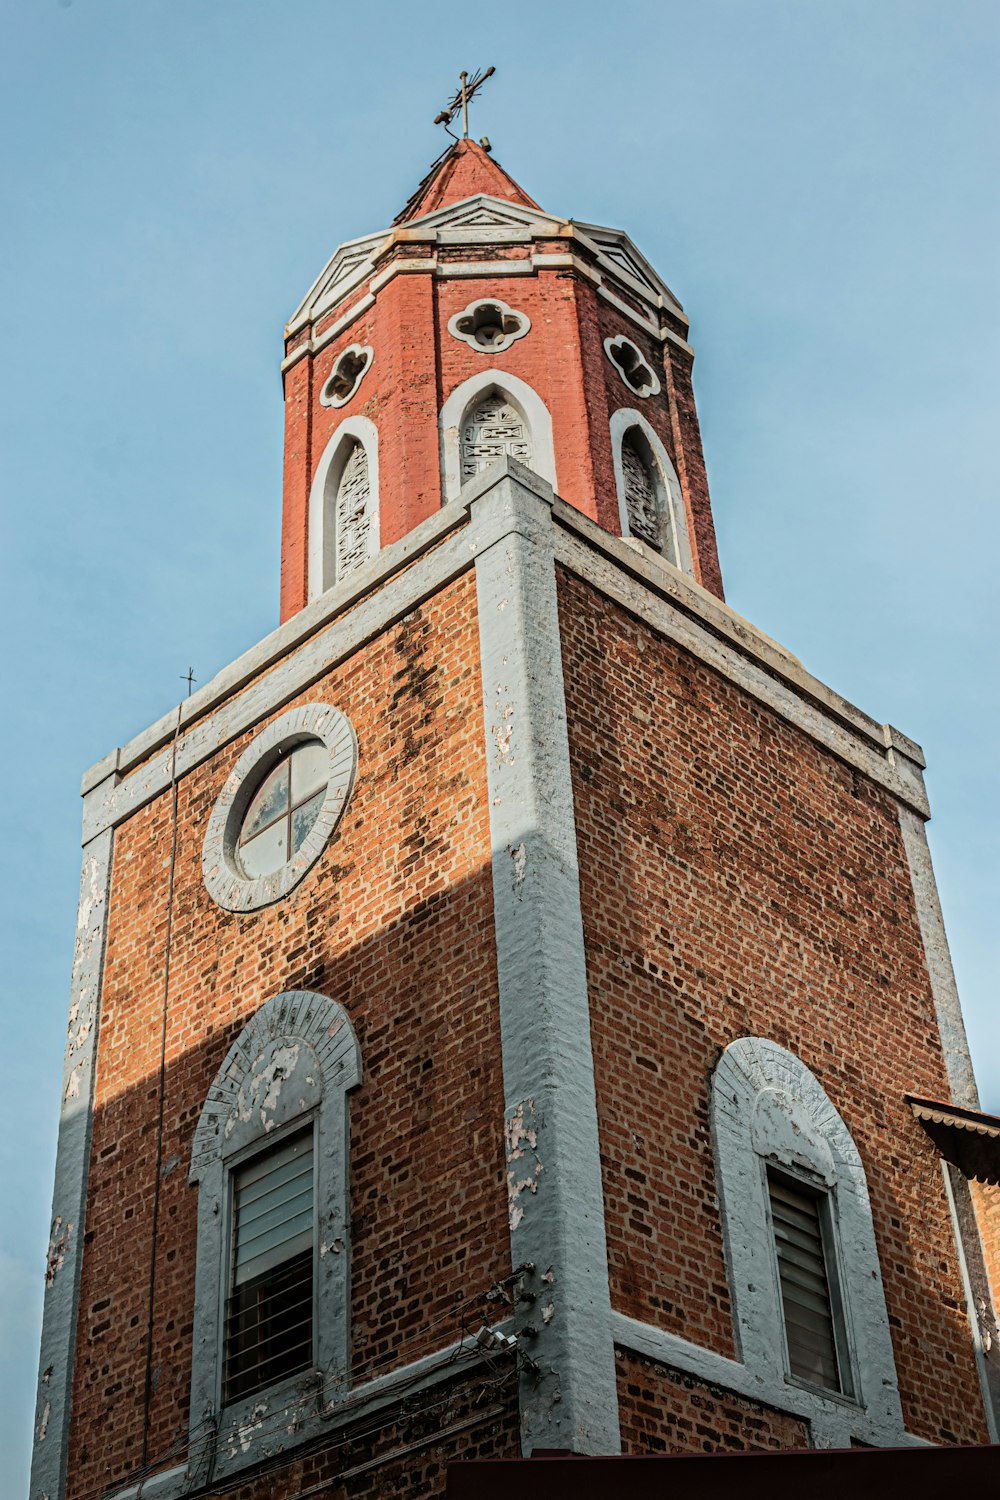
326,395
618,341
226,884
507,314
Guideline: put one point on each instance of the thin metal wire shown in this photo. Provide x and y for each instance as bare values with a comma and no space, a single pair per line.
161,1091
398,1410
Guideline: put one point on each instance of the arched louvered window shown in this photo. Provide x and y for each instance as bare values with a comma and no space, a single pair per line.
353,512
273,1277
804,1272
491,429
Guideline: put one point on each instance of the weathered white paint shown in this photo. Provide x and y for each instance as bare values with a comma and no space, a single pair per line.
957,1060
69,1198
296,1060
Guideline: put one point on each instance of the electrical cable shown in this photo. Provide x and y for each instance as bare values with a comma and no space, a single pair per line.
397,1411
148,1381
463,1312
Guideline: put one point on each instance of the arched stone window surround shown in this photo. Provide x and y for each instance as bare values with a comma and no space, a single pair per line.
677,541
768,1109
467,396
295,1061
323,498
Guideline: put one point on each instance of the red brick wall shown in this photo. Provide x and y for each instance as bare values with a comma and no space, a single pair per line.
666,1411
738,880
986,1201
395,922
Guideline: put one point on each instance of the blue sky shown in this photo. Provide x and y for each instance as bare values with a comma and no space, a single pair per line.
814,178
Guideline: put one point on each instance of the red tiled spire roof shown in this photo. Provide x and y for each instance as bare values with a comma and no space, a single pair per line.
464,170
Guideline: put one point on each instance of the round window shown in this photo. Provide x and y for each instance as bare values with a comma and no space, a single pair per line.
279,807
284,809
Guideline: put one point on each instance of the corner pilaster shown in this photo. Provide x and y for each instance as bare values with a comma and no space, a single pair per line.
556,1204
69,1201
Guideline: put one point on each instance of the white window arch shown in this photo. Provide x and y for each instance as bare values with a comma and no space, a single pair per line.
473,396
771,1118
343,505
638,453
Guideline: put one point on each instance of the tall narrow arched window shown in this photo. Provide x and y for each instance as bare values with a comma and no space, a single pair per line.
490,416
492,428
343,505
650,504
644,494
352,507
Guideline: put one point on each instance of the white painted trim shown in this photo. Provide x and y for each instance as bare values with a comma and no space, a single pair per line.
416,567
483,268
224,878
554,1185
322,498
522,397
430,266
363,1401
971,1309
522,325
675,513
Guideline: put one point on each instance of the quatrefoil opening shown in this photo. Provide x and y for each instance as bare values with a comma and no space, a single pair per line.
348,371
489,326
632,366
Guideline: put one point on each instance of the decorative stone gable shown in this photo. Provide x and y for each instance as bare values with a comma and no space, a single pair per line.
491,430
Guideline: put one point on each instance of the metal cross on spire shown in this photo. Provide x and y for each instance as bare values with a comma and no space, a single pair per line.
467,88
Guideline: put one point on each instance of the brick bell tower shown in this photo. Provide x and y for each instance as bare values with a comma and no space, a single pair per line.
511,1009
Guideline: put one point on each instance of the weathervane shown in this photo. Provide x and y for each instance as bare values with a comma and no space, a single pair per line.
467,89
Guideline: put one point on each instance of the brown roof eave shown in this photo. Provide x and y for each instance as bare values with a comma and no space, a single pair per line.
967,1138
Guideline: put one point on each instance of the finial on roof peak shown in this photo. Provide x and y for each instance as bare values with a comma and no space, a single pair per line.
467,87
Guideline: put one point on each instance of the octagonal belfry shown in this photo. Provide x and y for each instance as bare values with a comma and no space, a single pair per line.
478,310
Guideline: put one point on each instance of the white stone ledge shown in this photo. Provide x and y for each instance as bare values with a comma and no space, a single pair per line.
365,1400
833,1420
412,570
695,619
316,615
